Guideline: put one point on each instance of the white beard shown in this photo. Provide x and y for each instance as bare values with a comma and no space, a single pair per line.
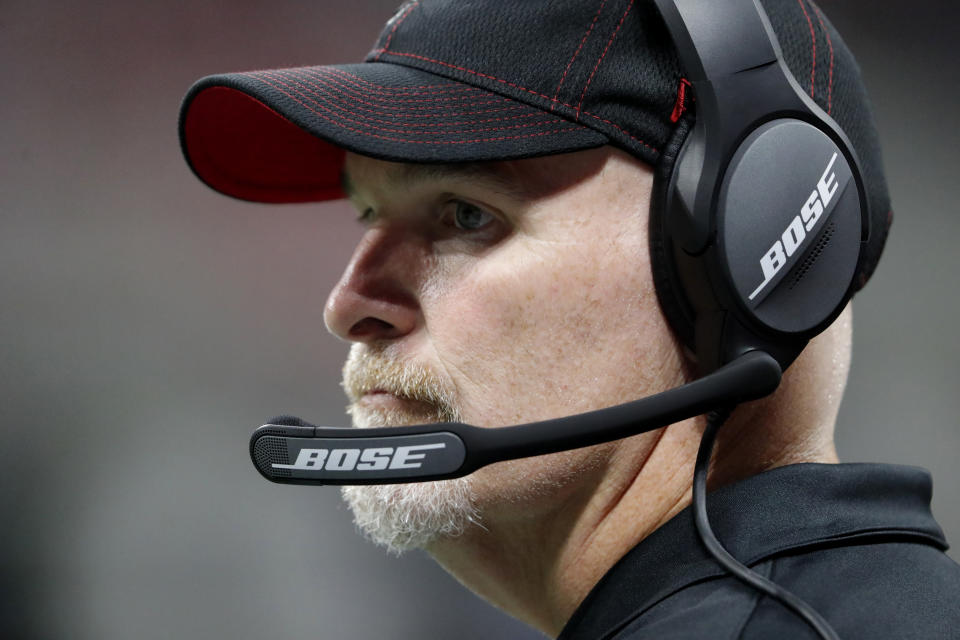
408,516
401,517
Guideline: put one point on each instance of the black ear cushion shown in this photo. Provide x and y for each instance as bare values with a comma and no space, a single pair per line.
672,300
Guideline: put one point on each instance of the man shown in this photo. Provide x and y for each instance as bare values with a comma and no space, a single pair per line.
502,159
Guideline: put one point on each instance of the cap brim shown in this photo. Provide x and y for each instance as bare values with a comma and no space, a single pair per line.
280,135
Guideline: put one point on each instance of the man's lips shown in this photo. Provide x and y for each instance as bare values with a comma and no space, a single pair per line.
387,400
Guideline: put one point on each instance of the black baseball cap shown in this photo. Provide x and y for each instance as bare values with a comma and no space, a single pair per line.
453,81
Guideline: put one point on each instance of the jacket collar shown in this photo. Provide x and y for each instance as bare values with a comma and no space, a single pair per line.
800,506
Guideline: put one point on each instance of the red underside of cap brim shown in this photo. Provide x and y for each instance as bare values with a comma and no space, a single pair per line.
281,135
243,148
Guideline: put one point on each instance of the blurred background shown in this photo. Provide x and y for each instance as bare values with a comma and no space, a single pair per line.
147,325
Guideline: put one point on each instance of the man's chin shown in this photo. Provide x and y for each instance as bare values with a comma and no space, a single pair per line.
401,517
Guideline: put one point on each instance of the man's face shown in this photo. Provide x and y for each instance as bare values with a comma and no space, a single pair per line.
499,294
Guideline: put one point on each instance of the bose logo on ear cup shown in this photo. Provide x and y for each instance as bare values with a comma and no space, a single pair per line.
796,232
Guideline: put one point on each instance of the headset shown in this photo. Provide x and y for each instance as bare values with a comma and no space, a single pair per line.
757,222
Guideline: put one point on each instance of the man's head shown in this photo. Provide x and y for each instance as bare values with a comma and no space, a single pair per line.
502,293
527,278
502,158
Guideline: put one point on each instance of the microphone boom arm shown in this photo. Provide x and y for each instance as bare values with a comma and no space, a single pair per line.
296,452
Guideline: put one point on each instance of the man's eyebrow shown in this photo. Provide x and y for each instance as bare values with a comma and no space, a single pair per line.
491,175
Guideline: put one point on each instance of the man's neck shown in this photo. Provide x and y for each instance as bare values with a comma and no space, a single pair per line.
539,570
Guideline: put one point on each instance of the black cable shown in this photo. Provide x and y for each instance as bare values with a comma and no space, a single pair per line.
746,575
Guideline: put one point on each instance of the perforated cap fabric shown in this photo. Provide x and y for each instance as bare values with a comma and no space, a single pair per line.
454,81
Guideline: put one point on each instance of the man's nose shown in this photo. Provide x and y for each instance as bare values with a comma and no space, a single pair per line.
375,298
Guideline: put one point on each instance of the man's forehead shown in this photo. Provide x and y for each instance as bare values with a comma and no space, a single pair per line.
524,179
401,175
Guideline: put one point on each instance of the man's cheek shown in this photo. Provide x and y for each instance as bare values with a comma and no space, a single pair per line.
491,325
503,294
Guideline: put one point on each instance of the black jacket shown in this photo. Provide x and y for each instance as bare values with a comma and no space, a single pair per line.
855,541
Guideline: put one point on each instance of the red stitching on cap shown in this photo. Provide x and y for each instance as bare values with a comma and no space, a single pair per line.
432,116
602,56
464,90
339,113
343,86
530,91
476,73
392,139
347,85
302,88
830,44
379,107
386,45
436,88
432,109
577,52
813,46
324,70
681,104
621,130
390,99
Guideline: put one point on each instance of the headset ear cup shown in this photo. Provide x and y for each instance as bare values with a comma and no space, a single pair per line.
672,300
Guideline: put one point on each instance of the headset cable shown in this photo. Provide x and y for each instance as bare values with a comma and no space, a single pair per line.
738,570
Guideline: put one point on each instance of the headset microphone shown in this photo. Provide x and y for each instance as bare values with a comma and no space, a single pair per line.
291,451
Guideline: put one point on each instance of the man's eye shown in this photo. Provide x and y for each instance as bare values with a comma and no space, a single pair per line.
468,217
365,217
